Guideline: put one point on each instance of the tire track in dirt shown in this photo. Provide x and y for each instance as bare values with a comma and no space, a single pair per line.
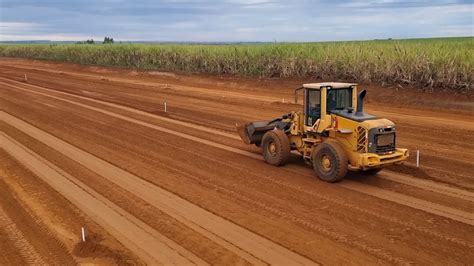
442,171
53,249
146,242
427,185
422,184
434,208
220,93
154,85
410,225
423,205
246,244
301,221
404,138
432,155
397,178
349,240
27,251
125,108
299,189
430,207
421,229
148,102
173,132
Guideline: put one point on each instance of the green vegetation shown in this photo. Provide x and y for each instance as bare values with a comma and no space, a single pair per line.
445,63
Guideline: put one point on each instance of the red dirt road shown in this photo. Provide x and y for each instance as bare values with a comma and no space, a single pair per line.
93,147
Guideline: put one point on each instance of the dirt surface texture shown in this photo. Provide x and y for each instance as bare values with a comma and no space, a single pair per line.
95,148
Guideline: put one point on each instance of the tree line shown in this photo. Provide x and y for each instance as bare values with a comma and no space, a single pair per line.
107,40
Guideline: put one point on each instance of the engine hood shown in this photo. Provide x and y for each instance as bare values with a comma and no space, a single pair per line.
353,116
377,123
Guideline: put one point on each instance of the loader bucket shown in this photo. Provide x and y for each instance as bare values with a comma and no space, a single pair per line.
252,133
243,132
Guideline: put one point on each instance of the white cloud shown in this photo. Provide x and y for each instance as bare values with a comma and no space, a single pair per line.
17,26
234,20
51,37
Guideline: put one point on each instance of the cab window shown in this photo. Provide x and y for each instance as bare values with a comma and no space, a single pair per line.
313,107
339,99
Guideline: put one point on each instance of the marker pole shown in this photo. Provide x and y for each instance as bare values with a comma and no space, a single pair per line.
417,158
83,231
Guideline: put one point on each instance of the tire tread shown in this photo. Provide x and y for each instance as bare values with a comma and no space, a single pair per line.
283,146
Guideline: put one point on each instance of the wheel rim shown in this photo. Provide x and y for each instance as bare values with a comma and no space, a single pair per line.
326,163
272,149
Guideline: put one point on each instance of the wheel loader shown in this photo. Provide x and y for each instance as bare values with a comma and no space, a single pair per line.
332,133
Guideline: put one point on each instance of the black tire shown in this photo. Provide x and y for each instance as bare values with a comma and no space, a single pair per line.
276,147
330,162
372,171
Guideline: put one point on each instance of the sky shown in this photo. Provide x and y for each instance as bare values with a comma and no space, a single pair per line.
234,20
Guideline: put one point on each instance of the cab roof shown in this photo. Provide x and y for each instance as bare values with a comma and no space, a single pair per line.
333,85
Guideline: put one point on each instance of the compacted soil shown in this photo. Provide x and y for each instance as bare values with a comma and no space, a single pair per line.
93,148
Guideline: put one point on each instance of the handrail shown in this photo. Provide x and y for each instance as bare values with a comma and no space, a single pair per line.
296,94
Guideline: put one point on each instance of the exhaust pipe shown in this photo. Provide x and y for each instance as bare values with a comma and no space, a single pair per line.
360,103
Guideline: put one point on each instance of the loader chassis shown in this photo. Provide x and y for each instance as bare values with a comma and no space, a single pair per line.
332,134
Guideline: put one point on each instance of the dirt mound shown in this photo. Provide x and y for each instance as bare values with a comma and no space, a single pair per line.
93,248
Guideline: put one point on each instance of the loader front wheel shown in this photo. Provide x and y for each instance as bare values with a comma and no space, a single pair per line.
330,162
276,147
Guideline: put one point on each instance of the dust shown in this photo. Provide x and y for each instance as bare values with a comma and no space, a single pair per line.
409,170
159,73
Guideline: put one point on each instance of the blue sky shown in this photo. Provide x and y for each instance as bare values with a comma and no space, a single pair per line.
234,20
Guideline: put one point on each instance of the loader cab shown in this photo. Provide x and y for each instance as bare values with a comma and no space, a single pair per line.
322,99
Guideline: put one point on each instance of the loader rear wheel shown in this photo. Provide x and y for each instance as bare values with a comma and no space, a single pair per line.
276,147
330,162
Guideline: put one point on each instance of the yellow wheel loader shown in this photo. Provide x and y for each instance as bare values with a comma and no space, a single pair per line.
333,133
